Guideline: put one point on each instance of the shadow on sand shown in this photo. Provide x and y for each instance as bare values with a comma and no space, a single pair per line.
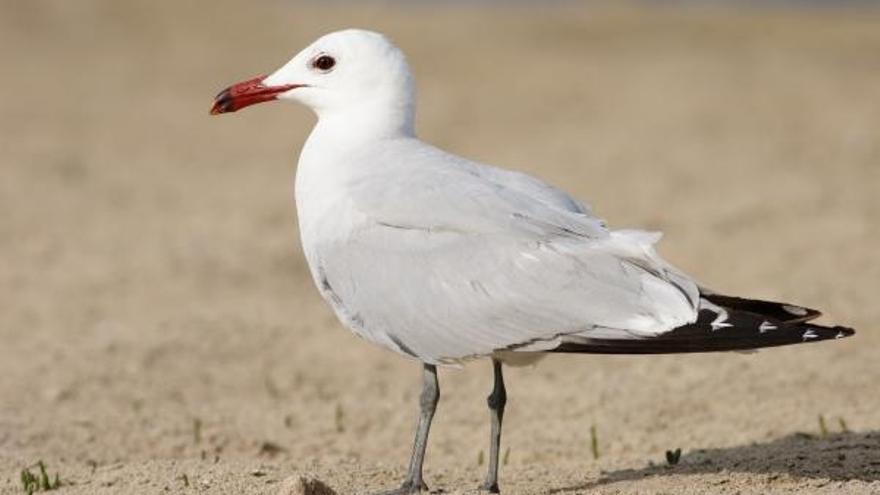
838,457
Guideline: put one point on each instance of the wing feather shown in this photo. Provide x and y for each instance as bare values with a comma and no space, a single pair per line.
448,296
446,259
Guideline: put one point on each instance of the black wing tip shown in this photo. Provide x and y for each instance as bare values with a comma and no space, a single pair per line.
784,312
800,314
709,341
843,331
816,333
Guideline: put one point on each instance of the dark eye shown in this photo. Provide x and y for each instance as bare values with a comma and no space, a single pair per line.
324,63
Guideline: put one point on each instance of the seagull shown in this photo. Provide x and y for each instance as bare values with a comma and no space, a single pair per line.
444,260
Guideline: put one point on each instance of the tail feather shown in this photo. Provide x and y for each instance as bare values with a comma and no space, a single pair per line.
724,323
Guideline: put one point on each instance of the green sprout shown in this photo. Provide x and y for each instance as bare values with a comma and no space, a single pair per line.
823,428
594,442
31,482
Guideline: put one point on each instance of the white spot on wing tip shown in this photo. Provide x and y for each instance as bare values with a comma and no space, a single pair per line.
766,325
720,321
718,325
795,310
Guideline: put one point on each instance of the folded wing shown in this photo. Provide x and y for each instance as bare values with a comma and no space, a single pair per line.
445,296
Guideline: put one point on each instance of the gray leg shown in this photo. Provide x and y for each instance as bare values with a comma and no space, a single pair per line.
496,400
427,404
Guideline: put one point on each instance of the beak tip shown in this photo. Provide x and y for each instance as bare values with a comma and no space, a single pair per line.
247,93
223,106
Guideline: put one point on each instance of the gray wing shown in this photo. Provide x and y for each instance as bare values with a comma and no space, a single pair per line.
435,190
536,188
446,263
445,296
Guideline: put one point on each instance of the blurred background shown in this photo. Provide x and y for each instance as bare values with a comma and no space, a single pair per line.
160,331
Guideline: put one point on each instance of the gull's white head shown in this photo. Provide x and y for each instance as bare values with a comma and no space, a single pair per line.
351,74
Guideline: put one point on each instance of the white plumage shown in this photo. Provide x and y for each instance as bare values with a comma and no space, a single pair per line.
441,258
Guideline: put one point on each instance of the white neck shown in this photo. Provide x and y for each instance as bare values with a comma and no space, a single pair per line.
325,162
379,118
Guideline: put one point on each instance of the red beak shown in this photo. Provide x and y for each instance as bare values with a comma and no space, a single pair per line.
247,93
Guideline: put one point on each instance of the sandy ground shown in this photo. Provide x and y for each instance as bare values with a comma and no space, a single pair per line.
160,333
